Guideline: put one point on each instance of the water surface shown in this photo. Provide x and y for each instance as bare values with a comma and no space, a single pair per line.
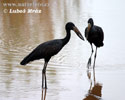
67,75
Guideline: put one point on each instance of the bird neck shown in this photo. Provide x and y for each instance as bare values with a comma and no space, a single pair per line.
67,38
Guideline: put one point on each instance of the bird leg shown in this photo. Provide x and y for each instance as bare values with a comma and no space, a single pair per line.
94,76
89,61
95,58
44,75
92,48
45,82
42,79
43,95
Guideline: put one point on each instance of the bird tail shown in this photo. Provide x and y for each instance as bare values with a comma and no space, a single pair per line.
27,59
99,44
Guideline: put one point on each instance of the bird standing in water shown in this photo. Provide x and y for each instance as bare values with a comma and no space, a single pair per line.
94,34
50,48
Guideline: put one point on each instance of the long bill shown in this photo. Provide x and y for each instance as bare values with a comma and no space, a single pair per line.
89,26
75,29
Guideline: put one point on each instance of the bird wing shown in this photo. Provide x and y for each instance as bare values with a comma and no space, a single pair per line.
44,50
34,55
50,48
100,33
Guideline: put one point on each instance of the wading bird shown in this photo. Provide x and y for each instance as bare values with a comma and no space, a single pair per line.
50,48
94,34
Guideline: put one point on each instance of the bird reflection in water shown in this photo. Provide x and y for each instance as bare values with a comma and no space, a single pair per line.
94,92
43,96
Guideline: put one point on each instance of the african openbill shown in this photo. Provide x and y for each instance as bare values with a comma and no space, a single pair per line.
50,48
94,34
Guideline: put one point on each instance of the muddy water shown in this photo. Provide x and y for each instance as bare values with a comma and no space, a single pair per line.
67,75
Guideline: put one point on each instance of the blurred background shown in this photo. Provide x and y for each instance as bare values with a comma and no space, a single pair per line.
67,74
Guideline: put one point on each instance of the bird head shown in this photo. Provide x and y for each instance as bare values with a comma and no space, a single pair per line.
71,26
90,24
90,21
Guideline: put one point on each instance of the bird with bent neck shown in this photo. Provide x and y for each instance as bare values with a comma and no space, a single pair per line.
50,48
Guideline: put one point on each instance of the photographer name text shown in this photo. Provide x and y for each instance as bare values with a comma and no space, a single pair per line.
14,11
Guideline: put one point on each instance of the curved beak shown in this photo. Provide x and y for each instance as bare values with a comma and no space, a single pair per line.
75,29
89,26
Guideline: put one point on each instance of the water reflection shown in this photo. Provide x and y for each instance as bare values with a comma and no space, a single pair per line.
43,96
95,90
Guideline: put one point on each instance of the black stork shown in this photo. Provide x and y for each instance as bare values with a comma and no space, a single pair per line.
50,48
94,34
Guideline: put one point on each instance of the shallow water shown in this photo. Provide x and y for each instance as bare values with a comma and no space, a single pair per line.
67,75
